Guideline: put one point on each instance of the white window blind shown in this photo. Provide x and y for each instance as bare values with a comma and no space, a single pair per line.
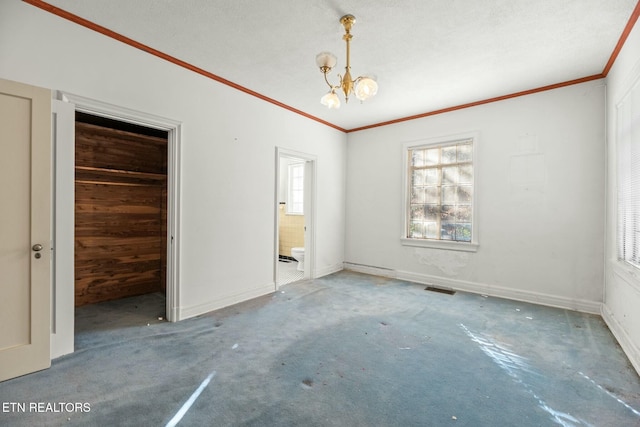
628,140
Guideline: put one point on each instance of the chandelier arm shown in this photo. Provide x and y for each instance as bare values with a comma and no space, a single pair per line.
357,80
332,87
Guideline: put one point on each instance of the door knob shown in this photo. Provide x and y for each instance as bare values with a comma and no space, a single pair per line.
37,247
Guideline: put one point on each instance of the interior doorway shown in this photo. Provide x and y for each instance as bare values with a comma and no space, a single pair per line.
66,107
120,209
120,226
295,213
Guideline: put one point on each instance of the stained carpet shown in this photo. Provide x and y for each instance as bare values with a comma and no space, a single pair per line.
344,350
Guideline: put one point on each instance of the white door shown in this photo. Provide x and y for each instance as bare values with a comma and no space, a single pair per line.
25,228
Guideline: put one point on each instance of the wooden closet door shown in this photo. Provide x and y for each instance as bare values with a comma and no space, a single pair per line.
120,213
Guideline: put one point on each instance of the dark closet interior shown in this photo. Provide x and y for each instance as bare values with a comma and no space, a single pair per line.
120,209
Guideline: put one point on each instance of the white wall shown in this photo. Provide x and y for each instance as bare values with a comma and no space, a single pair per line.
228,150
621,309
541,243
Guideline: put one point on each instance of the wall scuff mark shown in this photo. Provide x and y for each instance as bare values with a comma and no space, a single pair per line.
448,262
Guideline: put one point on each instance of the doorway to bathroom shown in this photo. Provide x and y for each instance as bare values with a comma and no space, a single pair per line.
295,196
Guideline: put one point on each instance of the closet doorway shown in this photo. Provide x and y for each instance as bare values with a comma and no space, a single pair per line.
120,210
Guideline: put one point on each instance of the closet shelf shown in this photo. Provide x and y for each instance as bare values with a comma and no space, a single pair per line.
120,172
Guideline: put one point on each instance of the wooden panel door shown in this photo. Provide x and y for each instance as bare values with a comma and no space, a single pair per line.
25,228
120,231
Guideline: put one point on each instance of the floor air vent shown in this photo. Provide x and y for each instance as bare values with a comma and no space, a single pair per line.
440,290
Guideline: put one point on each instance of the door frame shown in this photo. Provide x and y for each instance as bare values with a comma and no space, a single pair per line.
174,130
63,232
309,210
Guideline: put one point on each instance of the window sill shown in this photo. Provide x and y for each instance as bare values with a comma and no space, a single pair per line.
440,244
626,272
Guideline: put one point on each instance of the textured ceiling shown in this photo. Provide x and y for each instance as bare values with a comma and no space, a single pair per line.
426,54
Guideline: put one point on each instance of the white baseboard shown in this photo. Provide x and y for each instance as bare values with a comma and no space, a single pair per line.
585,306
196,310
629,348
328,270
369,269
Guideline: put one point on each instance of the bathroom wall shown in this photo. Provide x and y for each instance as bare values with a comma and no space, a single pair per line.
541,242
229,141
621,308
291,233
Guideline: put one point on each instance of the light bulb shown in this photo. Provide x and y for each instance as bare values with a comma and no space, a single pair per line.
365,88
330,100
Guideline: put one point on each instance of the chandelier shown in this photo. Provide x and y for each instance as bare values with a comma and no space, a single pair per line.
364,87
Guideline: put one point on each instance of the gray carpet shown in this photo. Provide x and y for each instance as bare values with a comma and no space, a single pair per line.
344,350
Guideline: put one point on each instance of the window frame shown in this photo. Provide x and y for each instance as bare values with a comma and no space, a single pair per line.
440,141
290,190
627,203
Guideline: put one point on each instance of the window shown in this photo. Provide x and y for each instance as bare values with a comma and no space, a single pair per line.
628,139
440,194
295,194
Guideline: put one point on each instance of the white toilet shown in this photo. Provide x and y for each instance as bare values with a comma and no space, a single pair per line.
298,255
